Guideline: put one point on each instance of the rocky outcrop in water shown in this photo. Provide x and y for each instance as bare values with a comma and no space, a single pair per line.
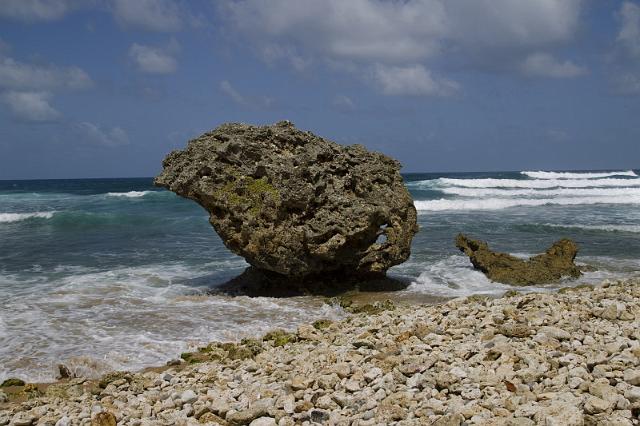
295,204
555,263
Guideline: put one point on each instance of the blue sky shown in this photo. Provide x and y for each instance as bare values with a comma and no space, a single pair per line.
106,88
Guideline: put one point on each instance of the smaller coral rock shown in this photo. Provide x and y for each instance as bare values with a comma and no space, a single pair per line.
555,263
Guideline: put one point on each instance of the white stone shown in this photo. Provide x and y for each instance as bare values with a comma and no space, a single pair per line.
372,374
352,385
458,372
595,405
263,421
560,414
188,397
632,376
633,394
555,332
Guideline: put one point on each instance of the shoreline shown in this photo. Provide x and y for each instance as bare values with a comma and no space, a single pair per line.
562,357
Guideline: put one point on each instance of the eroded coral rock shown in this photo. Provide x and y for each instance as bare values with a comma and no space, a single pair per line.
555,263
296,204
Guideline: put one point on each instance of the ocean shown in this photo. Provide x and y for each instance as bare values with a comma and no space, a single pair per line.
104,274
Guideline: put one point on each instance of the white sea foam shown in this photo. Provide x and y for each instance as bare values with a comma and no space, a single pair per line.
528,183
455,277
17,217
129,318
130,194
503,203
544,193
576,175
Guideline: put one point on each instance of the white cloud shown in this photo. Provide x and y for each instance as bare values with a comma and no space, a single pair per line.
343,102
545,65
156,60
19,75
412,80
27,88
31,106
627,83
36,10
625,75
629,35
228,90
153,15
272,53
95,134
358,34
242,100
508,25
356,29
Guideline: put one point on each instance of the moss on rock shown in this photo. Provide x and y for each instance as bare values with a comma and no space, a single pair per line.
279,337
12,382
322,324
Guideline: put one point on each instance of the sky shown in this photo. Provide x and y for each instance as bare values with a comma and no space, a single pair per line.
106,88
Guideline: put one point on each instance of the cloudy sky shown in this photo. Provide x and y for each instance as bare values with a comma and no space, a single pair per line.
105,88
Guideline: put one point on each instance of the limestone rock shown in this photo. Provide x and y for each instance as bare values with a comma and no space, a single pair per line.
295,204
555,263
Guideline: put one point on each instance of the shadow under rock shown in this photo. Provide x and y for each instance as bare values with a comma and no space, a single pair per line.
254,282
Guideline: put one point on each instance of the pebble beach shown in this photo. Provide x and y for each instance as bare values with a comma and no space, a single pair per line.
565,358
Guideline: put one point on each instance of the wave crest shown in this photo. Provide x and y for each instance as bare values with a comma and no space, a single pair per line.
17,217
523,183
545,193
576,175
503,203
130,194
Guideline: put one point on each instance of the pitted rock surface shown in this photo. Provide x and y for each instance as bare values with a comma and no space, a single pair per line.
294,203
557,262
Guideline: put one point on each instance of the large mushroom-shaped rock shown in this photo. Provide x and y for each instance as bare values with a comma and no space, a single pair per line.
551,266
295,204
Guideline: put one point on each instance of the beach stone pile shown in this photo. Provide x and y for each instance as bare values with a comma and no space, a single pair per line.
551,266
568,358
295,204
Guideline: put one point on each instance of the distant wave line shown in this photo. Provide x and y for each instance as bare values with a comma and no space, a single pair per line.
576,175
503,203
522,183
542,192
609,228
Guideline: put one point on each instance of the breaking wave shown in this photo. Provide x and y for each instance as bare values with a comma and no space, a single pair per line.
503,203
523,183
130,194
561,192
576,175
17,217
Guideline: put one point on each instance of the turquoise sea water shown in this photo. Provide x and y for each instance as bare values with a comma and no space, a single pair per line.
108,274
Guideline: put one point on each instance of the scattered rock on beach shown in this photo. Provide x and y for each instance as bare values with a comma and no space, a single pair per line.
103,418
527,359
555,263
295,204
